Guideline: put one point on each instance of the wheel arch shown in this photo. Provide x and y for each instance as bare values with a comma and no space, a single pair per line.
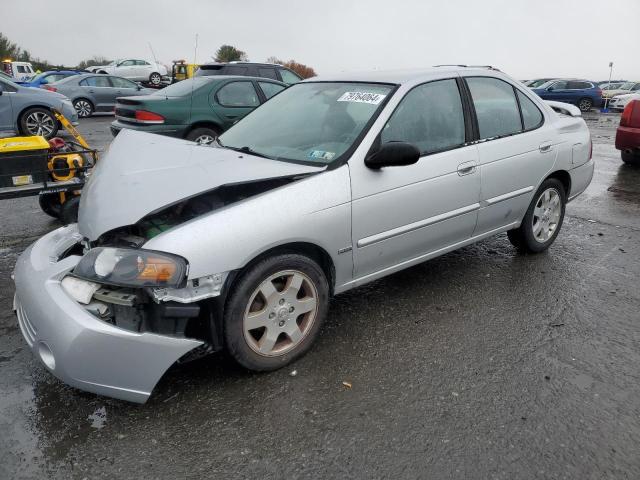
27,108
203,124
564,177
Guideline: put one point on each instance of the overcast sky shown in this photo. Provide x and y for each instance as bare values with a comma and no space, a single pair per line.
525,38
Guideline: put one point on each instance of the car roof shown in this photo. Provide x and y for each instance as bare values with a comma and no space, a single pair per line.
224,64
399,77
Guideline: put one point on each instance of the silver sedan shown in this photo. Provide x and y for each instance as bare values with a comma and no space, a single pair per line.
331,184
91,93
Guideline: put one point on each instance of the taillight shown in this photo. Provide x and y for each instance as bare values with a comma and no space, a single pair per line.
50,88
631,115
144,116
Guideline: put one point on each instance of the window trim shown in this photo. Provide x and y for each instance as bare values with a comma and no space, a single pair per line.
250,82
468,125
515,94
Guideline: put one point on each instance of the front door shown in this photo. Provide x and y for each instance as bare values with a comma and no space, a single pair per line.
401,214
235,100
516,150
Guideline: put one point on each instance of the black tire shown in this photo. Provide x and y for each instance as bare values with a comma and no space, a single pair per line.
523,238
69,210
631,158
202,133
84,107
155,79
238,302
30,118
50,204
585,104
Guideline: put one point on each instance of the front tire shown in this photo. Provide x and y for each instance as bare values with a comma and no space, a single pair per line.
585,104
155,79
275,311
543,220
84,107
39,121
630,158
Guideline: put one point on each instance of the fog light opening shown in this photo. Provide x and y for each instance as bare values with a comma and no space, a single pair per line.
46,355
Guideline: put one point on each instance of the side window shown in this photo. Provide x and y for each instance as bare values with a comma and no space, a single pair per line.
127,63
122,83
235,70
238,94
270,89
96,82
576,85
496,107
430,117
267,72
142,62
288,76
531,114
21,69
561,85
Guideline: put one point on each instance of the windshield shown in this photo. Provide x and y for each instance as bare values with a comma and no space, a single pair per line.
185,87
308,122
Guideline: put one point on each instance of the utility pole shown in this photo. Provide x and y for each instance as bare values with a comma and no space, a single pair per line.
606,100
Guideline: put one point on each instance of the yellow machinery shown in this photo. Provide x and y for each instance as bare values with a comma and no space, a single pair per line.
181,70
55,170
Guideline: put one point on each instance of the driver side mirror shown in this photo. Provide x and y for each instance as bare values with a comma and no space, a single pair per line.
393,154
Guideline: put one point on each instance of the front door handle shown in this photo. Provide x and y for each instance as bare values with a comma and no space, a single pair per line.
466,168
546,147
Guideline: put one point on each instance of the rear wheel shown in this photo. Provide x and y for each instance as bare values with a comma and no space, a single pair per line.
203,135
155,79
275,311
631,158
84,107
543,220
585,104
39,121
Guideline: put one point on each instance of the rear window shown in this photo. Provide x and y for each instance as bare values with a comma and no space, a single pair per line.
496,107
206,70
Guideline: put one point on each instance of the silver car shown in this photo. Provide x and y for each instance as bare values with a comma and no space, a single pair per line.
183,249
91,93
29,111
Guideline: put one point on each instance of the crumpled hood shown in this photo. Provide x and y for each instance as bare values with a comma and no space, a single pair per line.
144,172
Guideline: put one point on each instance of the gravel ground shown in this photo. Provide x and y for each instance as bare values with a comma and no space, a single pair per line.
482,363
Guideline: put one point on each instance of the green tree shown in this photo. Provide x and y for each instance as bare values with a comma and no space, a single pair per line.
301,69
229,53
93,61
8,49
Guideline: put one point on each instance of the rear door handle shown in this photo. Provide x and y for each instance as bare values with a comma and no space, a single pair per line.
545,147
466,168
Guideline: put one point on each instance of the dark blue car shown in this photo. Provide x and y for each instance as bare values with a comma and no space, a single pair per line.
45,78
585,94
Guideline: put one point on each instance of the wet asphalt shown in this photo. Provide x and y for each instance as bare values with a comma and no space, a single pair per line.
483,363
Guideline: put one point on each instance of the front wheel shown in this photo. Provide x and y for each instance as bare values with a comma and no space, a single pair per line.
585,104
39,121
155,79
543,220
275,311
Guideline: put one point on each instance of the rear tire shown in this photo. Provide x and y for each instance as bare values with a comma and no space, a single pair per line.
585,104
50,204
275,311
69,210
38,121
631,158
203,135
155,79
543,220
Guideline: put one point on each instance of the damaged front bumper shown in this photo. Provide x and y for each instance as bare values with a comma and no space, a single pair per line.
76,346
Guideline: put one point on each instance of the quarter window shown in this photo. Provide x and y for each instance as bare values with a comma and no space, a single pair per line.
531,115
288,77
496,107
238,94
270,89
430,117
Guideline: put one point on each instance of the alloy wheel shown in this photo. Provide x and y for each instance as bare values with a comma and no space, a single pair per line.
280,313
155,79
40,123
83,108
585,105
546,215
205,139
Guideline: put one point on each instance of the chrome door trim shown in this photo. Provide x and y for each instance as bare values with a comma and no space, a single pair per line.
379,237
509,195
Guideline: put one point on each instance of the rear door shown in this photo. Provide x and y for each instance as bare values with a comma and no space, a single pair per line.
234,100
516,150
123,87
98,89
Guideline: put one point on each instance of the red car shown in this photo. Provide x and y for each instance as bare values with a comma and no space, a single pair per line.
628,134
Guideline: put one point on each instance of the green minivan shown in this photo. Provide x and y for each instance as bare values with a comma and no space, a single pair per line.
198,109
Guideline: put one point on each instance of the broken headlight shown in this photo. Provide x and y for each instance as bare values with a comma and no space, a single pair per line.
128,267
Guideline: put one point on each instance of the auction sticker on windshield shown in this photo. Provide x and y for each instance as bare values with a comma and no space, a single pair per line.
362,97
